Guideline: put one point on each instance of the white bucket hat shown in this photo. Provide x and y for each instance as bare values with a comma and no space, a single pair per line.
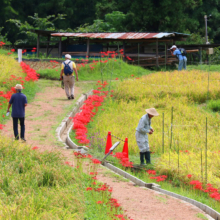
68,56
152,111
18,86
174,46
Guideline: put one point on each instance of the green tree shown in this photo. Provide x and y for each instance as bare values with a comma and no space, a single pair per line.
37,24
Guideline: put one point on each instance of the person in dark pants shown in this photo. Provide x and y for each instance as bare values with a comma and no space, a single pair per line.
18,102
144,127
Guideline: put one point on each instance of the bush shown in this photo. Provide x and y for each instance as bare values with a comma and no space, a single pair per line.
214,105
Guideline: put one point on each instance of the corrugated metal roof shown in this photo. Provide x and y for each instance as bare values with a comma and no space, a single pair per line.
121,36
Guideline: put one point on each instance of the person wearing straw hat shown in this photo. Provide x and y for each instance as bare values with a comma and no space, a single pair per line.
18,102
144,127
66,74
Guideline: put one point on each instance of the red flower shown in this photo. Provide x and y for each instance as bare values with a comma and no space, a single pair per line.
189,176
35,148
12,50
99,202
89,189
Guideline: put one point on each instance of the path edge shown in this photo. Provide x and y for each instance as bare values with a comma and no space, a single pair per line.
68,143
153,186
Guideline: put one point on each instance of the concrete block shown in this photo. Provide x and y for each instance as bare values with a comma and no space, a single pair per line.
148,185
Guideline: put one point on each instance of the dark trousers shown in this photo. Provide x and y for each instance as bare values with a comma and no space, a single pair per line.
15,127
145,155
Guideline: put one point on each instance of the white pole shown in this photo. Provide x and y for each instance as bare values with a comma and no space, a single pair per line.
19,55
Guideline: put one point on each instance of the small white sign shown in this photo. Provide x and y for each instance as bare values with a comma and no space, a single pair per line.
114,146
19,55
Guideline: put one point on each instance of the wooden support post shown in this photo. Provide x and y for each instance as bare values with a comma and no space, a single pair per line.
48,38
38,45
124,50
200,55
60,47
87,51
166,53
157,63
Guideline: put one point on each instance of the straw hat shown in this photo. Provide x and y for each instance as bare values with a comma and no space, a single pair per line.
68,56
152,111
18,86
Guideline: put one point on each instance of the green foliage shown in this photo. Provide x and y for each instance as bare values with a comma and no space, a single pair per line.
214,105
4,38
37,23
117,15
114,22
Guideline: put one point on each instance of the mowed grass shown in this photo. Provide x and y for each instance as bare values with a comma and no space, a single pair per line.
213,67
114,69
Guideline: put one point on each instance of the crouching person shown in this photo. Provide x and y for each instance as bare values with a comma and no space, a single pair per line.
144,127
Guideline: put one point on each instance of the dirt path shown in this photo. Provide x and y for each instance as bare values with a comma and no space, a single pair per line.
139,203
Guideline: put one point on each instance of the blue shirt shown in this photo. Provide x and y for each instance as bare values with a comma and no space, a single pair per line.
18,101
178,54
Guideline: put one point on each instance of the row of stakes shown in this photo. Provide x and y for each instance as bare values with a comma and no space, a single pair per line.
109,145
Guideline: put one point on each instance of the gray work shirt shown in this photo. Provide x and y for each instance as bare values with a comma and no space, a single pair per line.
144,127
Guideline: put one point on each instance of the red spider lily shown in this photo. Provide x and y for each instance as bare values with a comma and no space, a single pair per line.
215,196
189,176
2,43
96,161
151,172
116,78
89,189
99,202
67,163
12,50
197,184
31,73
35,148
124,161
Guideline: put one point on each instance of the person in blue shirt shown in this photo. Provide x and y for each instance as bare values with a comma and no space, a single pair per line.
182,59
144,128
18,102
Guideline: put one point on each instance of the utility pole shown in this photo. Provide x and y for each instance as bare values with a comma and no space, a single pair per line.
206,32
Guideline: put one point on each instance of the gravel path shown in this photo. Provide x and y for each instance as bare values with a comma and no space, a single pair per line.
138,203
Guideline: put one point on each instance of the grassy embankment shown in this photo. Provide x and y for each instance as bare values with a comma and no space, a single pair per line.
114,69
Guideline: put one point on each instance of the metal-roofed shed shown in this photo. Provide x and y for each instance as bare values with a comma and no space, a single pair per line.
136,45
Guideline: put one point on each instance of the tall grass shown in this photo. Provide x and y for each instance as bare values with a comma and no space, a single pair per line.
186,91
37,185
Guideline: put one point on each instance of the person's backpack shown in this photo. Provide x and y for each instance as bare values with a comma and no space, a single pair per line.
183,51
67,69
